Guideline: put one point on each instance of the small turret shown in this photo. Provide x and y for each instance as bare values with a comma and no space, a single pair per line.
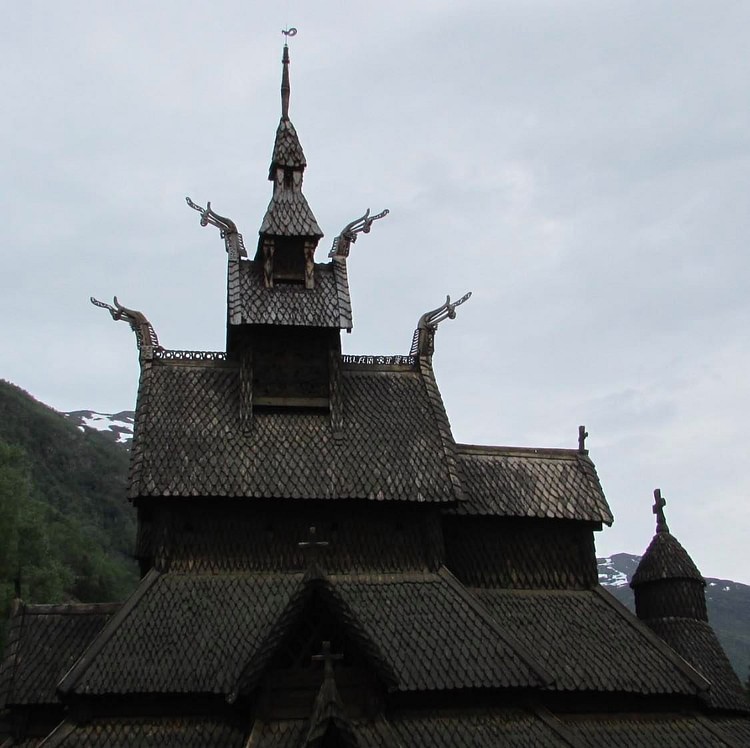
670,599
667,583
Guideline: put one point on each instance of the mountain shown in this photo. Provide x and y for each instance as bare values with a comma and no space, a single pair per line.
728,606
117,426
67,530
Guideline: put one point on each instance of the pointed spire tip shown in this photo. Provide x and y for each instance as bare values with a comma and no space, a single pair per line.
285,88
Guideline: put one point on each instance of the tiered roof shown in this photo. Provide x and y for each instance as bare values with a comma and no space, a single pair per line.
449,591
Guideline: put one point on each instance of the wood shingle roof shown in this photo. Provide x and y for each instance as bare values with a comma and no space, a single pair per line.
189,440
289,214
44,642
183,633
325,305
587,644
201,633
665,558
521,482
166,732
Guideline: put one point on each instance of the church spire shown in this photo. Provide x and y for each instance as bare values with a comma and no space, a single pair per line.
287,151
289,233
285,88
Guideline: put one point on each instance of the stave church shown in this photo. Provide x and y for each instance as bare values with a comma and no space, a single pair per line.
323,565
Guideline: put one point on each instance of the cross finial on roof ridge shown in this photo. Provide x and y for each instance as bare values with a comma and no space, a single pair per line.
582,436
327,657
312,548
658,509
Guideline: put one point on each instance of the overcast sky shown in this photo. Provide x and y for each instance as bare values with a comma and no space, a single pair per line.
582,167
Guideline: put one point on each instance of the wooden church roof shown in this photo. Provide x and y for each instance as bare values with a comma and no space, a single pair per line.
189,439
327,304
460,591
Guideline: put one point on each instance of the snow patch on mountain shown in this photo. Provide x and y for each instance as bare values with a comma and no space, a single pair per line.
610,576
117,425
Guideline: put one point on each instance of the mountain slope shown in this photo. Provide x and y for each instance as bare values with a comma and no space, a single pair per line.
67,527
728,606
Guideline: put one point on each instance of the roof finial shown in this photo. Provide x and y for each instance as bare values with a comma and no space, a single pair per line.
582,435
423,342
327,657
659,503
285,88
145,335
312,548
343,242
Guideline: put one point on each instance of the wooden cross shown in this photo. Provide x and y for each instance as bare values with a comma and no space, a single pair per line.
582,434
658,509
327,658
312,547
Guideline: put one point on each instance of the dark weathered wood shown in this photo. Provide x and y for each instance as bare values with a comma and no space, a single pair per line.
458,594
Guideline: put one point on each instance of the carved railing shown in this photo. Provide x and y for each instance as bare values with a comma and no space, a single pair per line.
380,360
167,355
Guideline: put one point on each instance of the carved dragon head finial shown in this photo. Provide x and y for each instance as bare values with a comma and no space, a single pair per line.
145,335
423,343
233,241
362,225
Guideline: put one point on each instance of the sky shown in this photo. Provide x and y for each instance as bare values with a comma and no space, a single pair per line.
582,167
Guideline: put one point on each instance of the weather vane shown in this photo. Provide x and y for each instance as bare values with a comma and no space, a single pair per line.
291,31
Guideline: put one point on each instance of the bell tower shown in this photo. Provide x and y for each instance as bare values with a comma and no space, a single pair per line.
289,233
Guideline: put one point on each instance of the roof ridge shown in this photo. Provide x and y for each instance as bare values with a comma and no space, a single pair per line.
715,729
396,577
59,734
257,664
491,449
383,727
699,681
70,608
9,663
82,664
443,424
328,709
555,724
477,606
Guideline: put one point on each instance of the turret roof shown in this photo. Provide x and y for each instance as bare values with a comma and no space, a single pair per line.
288,213
664,558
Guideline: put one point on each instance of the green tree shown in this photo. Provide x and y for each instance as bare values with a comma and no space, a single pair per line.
14,493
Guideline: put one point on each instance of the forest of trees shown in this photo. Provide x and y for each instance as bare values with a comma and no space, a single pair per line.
66,530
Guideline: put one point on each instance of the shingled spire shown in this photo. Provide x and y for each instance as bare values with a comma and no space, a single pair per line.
667,582
670,599
289,233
